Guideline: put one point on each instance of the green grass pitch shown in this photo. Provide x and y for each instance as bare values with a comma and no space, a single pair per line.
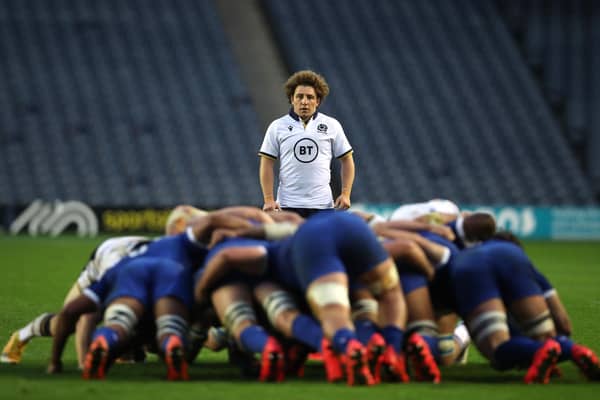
37,272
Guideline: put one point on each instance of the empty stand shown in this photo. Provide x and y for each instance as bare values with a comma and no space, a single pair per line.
436,100
123,102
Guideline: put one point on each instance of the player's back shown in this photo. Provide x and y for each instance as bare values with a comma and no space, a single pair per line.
106,256
179,248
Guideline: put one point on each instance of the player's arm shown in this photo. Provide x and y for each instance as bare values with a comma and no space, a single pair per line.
84,327
74,292
267,181
65,326
250,260
251,213
409,253
559,314
347,177
415,226
202,228
83,332
274,231
286,216
436,253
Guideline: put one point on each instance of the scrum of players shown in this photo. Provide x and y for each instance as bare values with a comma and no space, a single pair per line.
379,300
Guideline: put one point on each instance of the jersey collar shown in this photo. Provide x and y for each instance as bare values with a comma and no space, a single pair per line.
297,117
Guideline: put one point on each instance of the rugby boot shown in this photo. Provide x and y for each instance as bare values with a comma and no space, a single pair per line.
177,367
333,366
422,361
586,361
272,362
96,359
556,372
544,363
13,351
391,367
296,355
356,364
248,364
375,349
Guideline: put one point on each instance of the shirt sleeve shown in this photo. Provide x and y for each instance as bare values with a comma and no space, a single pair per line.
270,145
88,275
341,146
542,281
96,291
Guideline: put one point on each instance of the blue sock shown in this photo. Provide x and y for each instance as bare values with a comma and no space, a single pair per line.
432,342
394,336
308,331
253,339
518,351
566,345
341,339
365,328
111,336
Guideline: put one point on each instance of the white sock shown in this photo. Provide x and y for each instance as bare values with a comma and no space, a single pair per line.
33,329
26,333
461,335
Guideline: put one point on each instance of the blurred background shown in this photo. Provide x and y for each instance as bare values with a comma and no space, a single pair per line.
145,104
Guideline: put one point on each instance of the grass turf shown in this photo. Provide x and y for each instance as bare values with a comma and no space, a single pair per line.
37,273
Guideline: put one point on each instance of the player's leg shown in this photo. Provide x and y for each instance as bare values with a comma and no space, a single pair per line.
120,319
453,339
383,281
171,330
365,315
303,332
488,326
233,305
14,348
535,321
327,296
40,326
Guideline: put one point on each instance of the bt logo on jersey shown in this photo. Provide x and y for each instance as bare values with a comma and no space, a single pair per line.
306,150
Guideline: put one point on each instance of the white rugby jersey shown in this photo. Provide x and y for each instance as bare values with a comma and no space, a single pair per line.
106,255
305,155
413,211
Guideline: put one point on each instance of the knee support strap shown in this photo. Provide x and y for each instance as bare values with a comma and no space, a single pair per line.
121,315
171,324
387,281
237,313
446,344
423,327
363,308
540,325
326,293
276,303
487,323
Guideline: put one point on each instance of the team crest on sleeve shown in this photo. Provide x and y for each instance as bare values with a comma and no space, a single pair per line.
306,150
322,128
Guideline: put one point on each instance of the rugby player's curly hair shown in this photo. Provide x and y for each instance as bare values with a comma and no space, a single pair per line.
307,78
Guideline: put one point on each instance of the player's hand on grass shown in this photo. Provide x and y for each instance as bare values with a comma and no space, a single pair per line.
54,368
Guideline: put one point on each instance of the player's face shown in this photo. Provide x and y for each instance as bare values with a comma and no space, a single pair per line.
305,101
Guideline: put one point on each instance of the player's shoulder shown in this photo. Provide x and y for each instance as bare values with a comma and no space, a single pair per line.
282,122
113,243
328,120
